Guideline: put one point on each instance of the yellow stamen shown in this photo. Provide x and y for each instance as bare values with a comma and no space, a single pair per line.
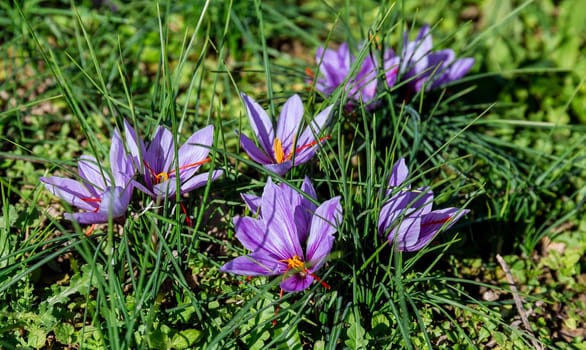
160,177
278,150
295,263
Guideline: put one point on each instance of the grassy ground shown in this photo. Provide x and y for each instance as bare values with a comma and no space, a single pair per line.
506,142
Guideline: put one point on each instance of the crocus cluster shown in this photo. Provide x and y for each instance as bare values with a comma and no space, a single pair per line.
417,67
291,236
103,193
406,217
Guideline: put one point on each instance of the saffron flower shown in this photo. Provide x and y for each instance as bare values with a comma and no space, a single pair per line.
161,169
407,219
282,148
422,67
291,236
335,66
100,193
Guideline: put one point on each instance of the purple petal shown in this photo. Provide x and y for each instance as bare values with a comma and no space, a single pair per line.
200,180
135,146
260,122
399,174
282,237
194,151
324,224
296,283
436,220
166,188
71,191
406,234
115,201
89,169
87,217
121,165
314,128
254,152
458,69
304,210
279,169
255,264
142,188
289,122
250,232
160,152
252,202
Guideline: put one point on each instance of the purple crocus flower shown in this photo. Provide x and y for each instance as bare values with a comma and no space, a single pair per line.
159,165
422,67
100,194
407,219
290,237
334,68
282,149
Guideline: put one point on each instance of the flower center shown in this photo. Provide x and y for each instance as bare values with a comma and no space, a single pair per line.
295,263
278,150
280,155
165,175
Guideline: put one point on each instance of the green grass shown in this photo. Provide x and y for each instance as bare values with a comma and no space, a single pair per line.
505,142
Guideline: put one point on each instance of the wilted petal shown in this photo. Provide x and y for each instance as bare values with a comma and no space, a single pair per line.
255,264
296,283
324,224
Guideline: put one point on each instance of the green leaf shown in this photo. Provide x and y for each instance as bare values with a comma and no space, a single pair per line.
64,333
186,338
37,338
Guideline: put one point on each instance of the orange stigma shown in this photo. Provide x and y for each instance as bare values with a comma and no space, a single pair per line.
165,175
309,72
280,156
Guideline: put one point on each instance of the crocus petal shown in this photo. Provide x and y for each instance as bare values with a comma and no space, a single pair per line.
255,264
115,201
315,127
166,188
406,234
87,217
399,174
71,191
434,221
254,152
135,146
324,224
282,237
252,233
289,122
459,68
121,165
304,210
142,188
200,180
161,151
89,169
279,169
195,150
260,122
296,283
252,202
